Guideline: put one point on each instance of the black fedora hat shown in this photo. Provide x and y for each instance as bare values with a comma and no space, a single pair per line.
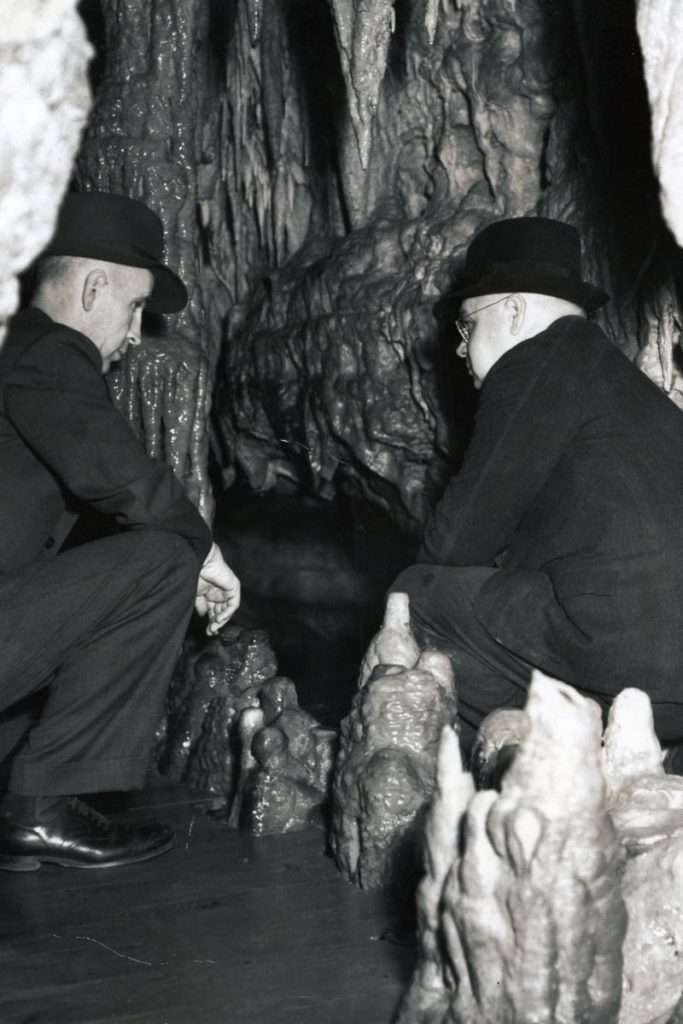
528,254
117,229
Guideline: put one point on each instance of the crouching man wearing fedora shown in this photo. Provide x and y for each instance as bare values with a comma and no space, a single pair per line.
94,630
559,544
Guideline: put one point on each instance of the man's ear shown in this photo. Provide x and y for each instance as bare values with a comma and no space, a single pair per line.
516,310
93,286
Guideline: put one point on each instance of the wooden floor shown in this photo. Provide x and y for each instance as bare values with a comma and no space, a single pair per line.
224,929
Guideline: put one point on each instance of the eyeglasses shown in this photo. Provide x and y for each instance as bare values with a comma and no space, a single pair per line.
463,325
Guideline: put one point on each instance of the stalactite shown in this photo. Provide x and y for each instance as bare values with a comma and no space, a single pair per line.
263,207
363,29
431,17
255,15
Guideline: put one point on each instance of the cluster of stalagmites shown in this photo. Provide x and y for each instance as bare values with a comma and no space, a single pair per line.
234,728
553,871
559,897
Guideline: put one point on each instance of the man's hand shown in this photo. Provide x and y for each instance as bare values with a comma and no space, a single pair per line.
218,591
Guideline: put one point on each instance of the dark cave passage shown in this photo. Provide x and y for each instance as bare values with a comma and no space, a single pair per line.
314,577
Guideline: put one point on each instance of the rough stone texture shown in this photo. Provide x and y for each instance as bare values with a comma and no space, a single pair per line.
320,168
660,28
234,728
363,30
151,135
386,768
214,681
164,391
285,767
559,900
333,377
527,920
44,100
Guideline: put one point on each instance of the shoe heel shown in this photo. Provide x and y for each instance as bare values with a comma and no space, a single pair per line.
8,863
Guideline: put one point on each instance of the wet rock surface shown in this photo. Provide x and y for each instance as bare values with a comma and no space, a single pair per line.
234,728
215,680
386,767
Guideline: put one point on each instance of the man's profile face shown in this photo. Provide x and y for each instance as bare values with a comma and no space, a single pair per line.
117,313
483,320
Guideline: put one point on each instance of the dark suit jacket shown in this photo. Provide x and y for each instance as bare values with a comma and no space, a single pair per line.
573,485
61,440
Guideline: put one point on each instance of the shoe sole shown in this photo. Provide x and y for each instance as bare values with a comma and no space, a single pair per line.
8,863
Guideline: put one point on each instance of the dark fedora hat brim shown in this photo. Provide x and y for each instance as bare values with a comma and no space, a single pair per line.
169,294
573,289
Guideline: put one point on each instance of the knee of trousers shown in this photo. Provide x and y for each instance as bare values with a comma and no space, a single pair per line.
168,558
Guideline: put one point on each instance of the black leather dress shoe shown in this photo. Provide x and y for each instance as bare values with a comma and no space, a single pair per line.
76,836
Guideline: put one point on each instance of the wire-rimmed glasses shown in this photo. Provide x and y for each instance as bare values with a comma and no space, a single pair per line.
463,325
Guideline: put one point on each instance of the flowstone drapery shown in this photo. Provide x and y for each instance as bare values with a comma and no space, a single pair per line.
320,168
559,898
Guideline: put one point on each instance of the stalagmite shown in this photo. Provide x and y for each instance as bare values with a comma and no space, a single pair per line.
395,643
560,899
386,769
530,918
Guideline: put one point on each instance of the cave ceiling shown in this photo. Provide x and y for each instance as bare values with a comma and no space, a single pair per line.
320,166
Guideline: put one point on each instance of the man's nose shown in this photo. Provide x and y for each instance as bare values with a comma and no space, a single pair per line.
134,336
462,349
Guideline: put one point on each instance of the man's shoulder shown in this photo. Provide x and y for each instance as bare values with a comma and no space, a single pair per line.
33,338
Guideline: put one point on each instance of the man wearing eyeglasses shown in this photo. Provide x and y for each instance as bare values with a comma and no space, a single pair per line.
559,545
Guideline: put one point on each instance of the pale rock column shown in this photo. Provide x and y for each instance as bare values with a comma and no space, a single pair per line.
44,101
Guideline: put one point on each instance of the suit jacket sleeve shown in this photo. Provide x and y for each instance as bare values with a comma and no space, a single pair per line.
57,400
527,415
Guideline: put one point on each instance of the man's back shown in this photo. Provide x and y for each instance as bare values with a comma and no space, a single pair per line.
571,485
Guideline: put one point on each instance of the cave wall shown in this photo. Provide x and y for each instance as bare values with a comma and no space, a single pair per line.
320,166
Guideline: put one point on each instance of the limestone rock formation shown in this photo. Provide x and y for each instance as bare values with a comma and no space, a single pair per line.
560,898
320,169
363,29
527,920
234,728
285,767
496,744
44,100
386,768
394,644
660,28
164,391
214,681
